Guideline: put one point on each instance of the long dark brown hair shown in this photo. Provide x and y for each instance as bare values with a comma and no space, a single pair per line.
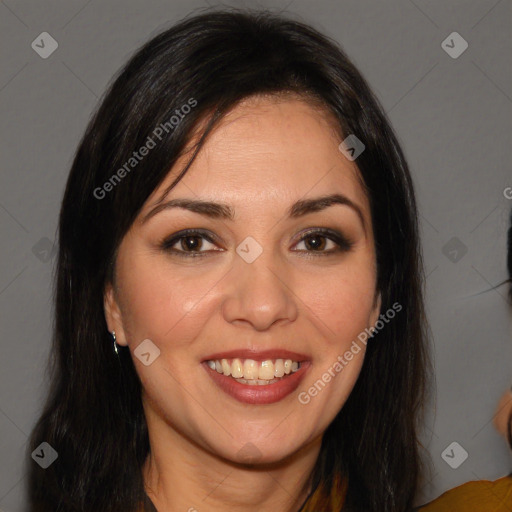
93,416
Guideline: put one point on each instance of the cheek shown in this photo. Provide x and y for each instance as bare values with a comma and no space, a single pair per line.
341,304
164,303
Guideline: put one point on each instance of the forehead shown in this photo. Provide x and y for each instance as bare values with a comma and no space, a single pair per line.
272,150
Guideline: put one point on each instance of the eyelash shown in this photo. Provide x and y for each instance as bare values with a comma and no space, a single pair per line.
343,243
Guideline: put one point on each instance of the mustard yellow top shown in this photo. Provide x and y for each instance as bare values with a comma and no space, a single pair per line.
478,496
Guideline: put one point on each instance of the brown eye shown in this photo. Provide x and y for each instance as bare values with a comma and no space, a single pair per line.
191,243
316,242
188,243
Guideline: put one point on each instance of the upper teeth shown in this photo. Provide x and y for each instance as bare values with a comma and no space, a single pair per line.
250,369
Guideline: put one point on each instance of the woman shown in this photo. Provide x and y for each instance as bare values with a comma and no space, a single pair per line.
484,495
239,310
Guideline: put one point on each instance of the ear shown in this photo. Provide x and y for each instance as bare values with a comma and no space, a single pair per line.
113,314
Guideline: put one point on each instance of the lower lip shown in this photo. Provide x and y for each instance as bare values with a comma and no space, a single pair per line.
257,394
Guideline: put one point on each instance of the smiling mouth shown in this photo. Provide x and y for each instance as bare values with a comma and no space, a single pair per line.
255,373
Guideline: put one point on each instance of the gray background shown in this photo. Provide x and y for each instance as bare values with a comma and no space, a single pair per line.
452,116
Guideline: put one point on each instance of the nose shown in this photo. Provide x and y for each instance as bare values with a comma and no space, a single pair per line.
260,293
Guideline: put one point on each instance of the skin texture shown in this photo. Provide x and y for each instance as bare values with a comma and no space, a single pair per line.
266,154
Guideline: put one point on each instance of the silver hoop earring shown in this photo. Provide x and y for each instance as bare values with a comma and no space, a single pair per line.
115,344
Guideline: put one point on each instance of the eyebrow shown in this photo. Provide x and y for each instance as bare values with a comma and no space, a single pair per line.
226,212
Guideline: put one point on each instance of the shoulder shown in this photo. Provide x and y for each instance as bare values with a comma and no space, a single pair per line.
477,496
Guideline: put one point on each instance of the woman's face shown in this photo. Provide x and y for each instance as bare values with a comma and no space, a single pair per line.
252,292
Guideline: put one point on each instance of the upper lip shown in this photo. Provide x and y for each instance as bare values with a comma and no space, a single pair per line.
258,355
